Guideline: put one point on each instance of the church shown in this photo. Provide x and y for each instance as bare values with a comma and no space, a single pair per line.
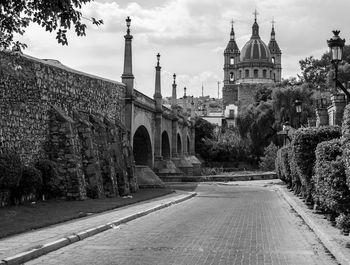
257,63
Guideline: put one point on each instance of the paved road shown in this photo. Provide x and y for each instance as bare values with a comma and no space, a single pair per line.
222,225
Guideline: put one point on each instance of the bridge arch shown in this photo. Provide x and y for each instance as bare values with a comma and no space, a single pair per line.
179,145
165,145
142,147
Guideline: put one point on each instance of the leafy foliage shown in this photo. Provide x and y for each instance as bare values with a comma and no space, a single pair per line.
204,131
59,16
331,191
318,72
10,168
267,162
284,105
304,144
255,125
50,185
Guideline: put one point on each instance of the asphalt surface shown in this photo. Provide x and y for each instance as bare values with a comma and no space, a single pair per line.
224,224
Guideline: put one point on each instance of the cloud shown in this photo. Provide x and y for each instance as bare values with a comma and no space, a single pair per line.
191,36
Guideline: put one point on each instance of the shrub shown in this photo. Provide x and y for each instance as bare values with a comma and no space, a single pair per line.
10,169
29,184
282,163
267,162
31,181
304,144
92,192
343,221
331,191
50,185
346,141
278,165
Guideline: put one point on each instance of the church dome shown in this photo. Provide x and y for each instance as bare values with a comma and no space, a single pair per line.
255,50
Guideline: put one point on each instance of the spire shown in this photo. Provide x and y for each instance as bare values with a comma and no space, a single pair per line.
232,34
273,29
255,28
173,97
185,101
273,46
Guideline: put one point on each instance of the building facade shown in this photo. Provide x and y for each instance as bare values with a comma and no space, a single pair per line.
257,63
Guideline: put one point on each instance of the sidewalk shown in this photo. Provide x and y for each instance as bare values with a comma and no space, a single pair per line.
23,247
337,244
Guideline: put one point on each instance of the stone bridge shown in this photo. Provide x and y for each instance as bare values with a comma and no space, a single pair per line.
88,124
162,138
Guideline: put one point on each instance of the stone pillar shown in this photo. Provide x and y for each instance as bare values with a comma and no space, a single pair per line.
192,143
173,96
184,103
128,80
174,125
159,110
321,117
184,138
336,110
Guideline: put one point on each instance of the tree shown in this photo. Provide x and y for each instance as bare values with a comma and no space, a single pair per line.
318,73
58,16
204,130
283,101
255,124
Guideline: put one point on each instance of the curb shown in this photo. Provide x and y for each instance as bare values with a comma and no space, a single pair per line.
332,247
60,243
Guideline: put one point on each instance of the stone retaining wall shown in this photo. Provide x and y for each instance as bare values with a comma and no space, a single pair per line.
49,111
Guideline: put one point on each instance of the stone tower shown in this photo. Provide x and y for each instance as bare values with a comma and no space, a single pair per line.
276,54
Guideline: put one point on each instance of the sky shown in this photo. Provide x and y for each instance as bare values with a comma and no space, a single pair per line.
190,36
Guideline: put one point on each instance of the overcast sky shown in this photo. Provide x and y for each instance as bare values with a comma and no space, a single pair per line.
191,36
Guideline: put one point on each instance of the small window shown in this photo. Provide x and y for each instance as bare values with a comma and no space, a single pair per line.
232,113
232,60
274,77
270,74
247,73
240,74
232,77
264,73
273,60
256,72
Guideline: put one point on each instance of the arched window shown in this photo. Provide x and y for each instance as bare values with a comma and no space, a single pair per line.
232,60
273,60
256,73
246,73
232,77
264,73
240,74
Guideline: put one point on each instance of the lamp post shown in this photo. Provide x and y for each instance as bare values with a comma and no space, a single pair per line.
285,128
297,104
336,45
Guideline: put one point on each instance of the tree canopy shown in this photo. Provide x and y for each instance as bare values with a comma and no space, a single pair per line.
318,73
58,16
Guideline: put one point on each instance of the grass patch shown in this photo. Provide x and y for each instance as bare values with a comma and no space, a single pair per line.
22,218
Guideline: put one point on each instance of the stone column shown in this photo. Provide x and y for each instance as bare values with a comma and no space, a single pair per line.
128,80
174,124
336,110
173,96
184,138
321,117
158,116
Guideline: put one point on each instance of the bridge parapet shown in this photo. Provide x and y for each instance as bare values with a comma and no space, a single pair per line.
144,100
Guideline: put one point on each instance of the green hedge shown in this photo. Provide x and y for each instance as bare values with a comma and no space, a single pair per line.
282,164
331,191
304,144
346,141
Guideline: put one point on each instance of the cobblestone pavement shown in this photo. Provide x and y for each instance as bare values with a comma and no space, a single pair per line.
222,225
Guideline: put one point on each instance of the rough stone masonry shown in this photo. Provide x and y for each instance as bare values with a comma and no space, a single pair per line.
49,111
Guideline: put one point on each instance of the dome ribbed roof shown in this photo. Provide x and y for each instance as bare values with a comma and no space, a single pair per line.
254,50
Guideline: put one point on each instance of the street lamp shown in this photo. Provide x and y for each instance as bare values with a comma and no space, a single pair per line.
336,45
297,104
286,128
128,23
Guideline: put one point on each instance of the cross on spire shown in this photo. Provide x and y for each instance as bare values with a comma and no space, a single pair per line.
232,22
255,13
273,22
